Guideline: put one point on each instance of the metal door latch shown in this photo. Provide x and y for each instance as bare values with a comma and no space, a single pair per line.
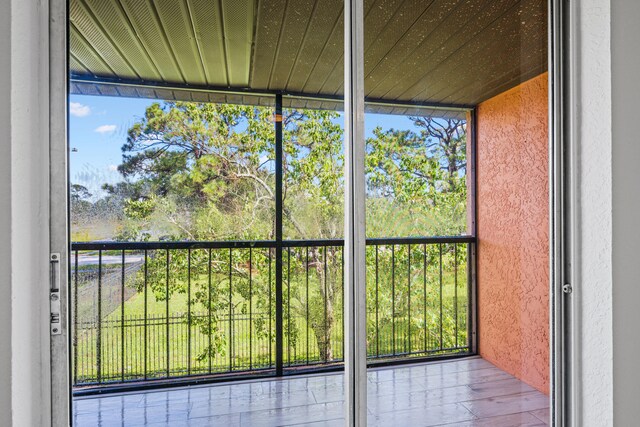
54,295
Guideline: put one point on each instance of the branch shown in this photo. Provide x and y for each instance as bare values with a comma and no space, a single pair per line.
259,181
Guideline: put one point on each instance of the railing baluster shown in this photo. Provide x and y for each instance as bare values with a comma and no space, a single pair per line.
455,289
166,302
250,310
75,319
409,297
99,326
440,248
270,314
133,353
175,350
188,311
230,312
470,301
122,319
307,297
326,307
108,340
393,298
289,305
209,350
377,307
342,292
424,294
146,371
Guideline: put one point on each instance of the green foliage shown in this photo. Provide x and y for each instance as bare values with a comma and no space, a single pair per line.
313,174
417,182
139,209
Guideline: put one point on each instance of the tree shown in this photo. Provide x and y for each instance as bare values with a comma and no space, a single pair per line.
417,178
313,194
416,187
207,171
446,138
79,193
81,205
197,171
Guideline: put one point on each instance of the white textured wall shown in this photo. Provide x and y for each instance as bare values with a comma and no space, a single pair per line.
625,73
24,391
594,217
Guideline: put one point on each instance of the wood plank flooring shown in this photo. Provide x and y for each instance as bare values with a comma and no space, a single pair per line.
467,392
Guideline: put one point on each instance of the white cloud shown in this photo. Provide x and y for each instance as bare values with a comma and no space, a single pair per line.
106,128
79,110
113,168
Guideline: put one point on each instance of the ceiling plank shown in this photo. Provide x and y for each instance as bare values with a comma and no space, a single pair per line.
91,30
238,23
115,26
511,41
329,57
323,23
207,24
175,20
148,28
397,74
267,34
294,31
85,54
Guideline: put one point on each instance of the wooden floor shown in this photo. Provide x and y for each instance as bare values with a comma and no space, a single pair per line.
464,393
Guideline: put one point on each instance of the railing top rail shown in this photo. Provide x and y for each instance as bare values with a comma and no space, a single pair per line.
246,244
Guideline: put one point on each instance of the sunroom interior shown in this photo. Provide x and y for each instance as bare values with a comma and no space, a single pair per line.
479,64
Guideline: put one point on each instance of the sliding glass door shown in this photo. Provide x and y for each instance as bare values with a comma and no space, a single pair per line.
260,190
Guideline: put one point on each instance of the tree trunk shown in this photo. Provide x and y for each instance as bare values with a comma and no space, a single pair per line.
323,336
323,326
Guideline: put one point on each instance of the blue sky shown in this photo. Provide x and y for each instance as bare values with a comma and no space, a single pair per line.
98,128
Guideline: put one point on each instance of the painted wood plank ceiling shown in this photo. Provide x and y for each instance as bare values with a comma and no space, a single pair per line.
449,52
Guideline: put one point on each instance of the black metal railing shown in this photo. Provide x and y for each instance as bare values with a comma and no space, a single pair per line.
161,310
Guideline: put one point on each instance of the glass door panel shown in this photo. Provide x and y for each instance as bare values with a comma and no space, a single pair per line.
457,211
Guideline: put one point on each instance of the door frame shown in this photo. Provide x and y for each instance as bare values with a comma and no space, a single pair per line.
59,209
563,206
355,311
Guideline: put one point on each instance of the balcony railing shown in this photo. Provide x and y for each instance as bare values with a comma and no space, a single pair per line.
148,311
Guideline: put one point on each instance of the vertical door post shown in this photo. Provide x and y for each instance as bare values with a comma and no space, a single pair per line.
564,270
55,95
278,232
354,234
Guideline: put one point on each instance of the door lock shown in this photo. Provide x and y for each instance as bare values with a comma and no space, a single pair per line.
54,295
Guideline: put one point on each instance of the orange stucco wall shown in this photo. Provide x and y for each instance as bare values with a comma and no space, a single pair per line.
513,231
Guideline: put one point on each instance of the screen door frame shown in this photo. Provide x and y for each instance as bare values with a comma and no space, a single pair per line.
59,209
